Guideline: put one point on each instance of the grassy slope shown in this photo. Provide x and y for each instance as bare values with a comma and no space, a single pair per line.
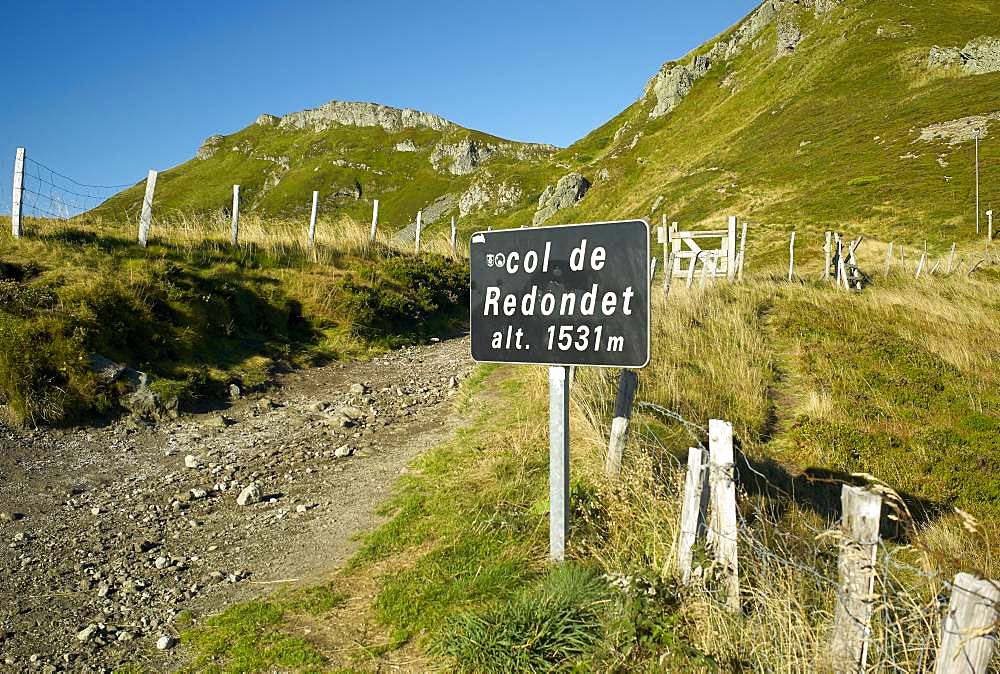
197,313
403,182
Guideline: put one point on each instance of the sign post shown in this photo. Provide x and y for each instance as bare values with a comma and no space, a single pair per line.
572,295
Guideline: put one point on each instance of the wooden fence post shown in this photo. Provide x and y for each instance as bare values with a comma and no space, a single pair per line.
966,634
417,239
454,236
743,250
888,258
17,198
731,249
989,225
951,257
234,225
628,383
723,531
920,265
827,255
371,236
652,269
312,220
146,219
693,510
856,565
791,257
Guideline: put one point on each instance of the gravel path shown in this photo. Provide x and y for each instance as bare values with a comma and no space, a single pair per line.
108,533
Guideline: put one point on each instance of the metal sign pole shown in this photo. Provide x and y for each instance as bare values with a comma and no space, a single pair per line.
558,461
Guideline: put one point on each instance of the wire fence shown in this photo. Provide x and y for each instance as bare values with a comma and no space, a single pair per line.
791,576
49,193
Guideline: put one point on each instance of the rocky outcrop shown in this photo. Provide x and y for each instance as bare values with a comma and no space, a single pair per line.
209,147
460,158
265,119
136,396
362,114
567,192
979,57
789,35
959,131
405,146
669,87
483,195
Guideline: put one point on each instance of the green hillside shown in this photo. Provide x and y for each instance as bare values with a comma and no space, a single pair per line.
815,114
352,153
827,134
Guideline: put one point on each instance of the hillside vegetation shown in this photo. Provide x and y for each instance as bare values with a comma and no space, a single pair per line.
197,314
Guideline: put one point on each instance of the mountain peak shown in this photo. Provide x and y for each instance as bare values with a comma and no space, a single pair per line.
352,113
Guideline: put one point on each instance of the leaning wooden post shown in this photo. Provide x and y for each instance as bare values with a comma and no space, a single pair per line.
855,593
791,257
628,382
731,249
652,269
417,239
234,225
691,269
374,230
888,258
17,198
146,219
967,631
454,236
693,510
312,220
920,265
723,531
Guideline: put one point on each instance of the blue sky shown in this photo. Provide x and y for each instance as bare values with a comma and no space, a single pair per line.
104,91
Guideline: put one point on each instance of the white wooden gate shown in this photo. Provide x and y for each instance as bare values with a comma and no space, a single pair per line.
693,253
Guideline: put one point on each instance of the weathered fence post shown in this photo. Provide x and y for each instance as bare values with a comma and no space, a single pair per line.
652,269
454,236
146,218
312,220
731,249
791,257
743,250
693,510
417,238
628,383
989,225
856,565
234,225
920,265
888,258
827,255
951,257
17,198
371,236
967,632
723,532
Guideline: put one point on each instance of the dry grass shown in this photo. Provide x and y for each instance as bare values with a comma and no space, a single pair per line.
747,353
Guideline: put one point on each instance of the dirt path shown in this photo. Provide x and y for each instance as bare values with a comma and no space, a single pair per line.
107,534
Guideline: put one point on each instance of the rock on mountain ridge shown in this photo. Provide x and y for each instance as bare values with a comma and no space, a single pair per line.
350,113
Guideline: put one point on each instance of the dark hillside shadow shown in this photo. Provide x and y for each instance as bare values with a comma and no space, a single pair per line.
819,490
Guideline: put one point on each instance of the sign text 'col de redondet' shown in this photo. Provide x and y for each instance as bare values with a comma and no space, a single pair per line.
570,295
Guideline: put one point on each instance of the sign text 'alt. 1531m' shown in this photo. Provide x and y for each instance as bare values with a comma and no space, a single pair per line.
570,295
